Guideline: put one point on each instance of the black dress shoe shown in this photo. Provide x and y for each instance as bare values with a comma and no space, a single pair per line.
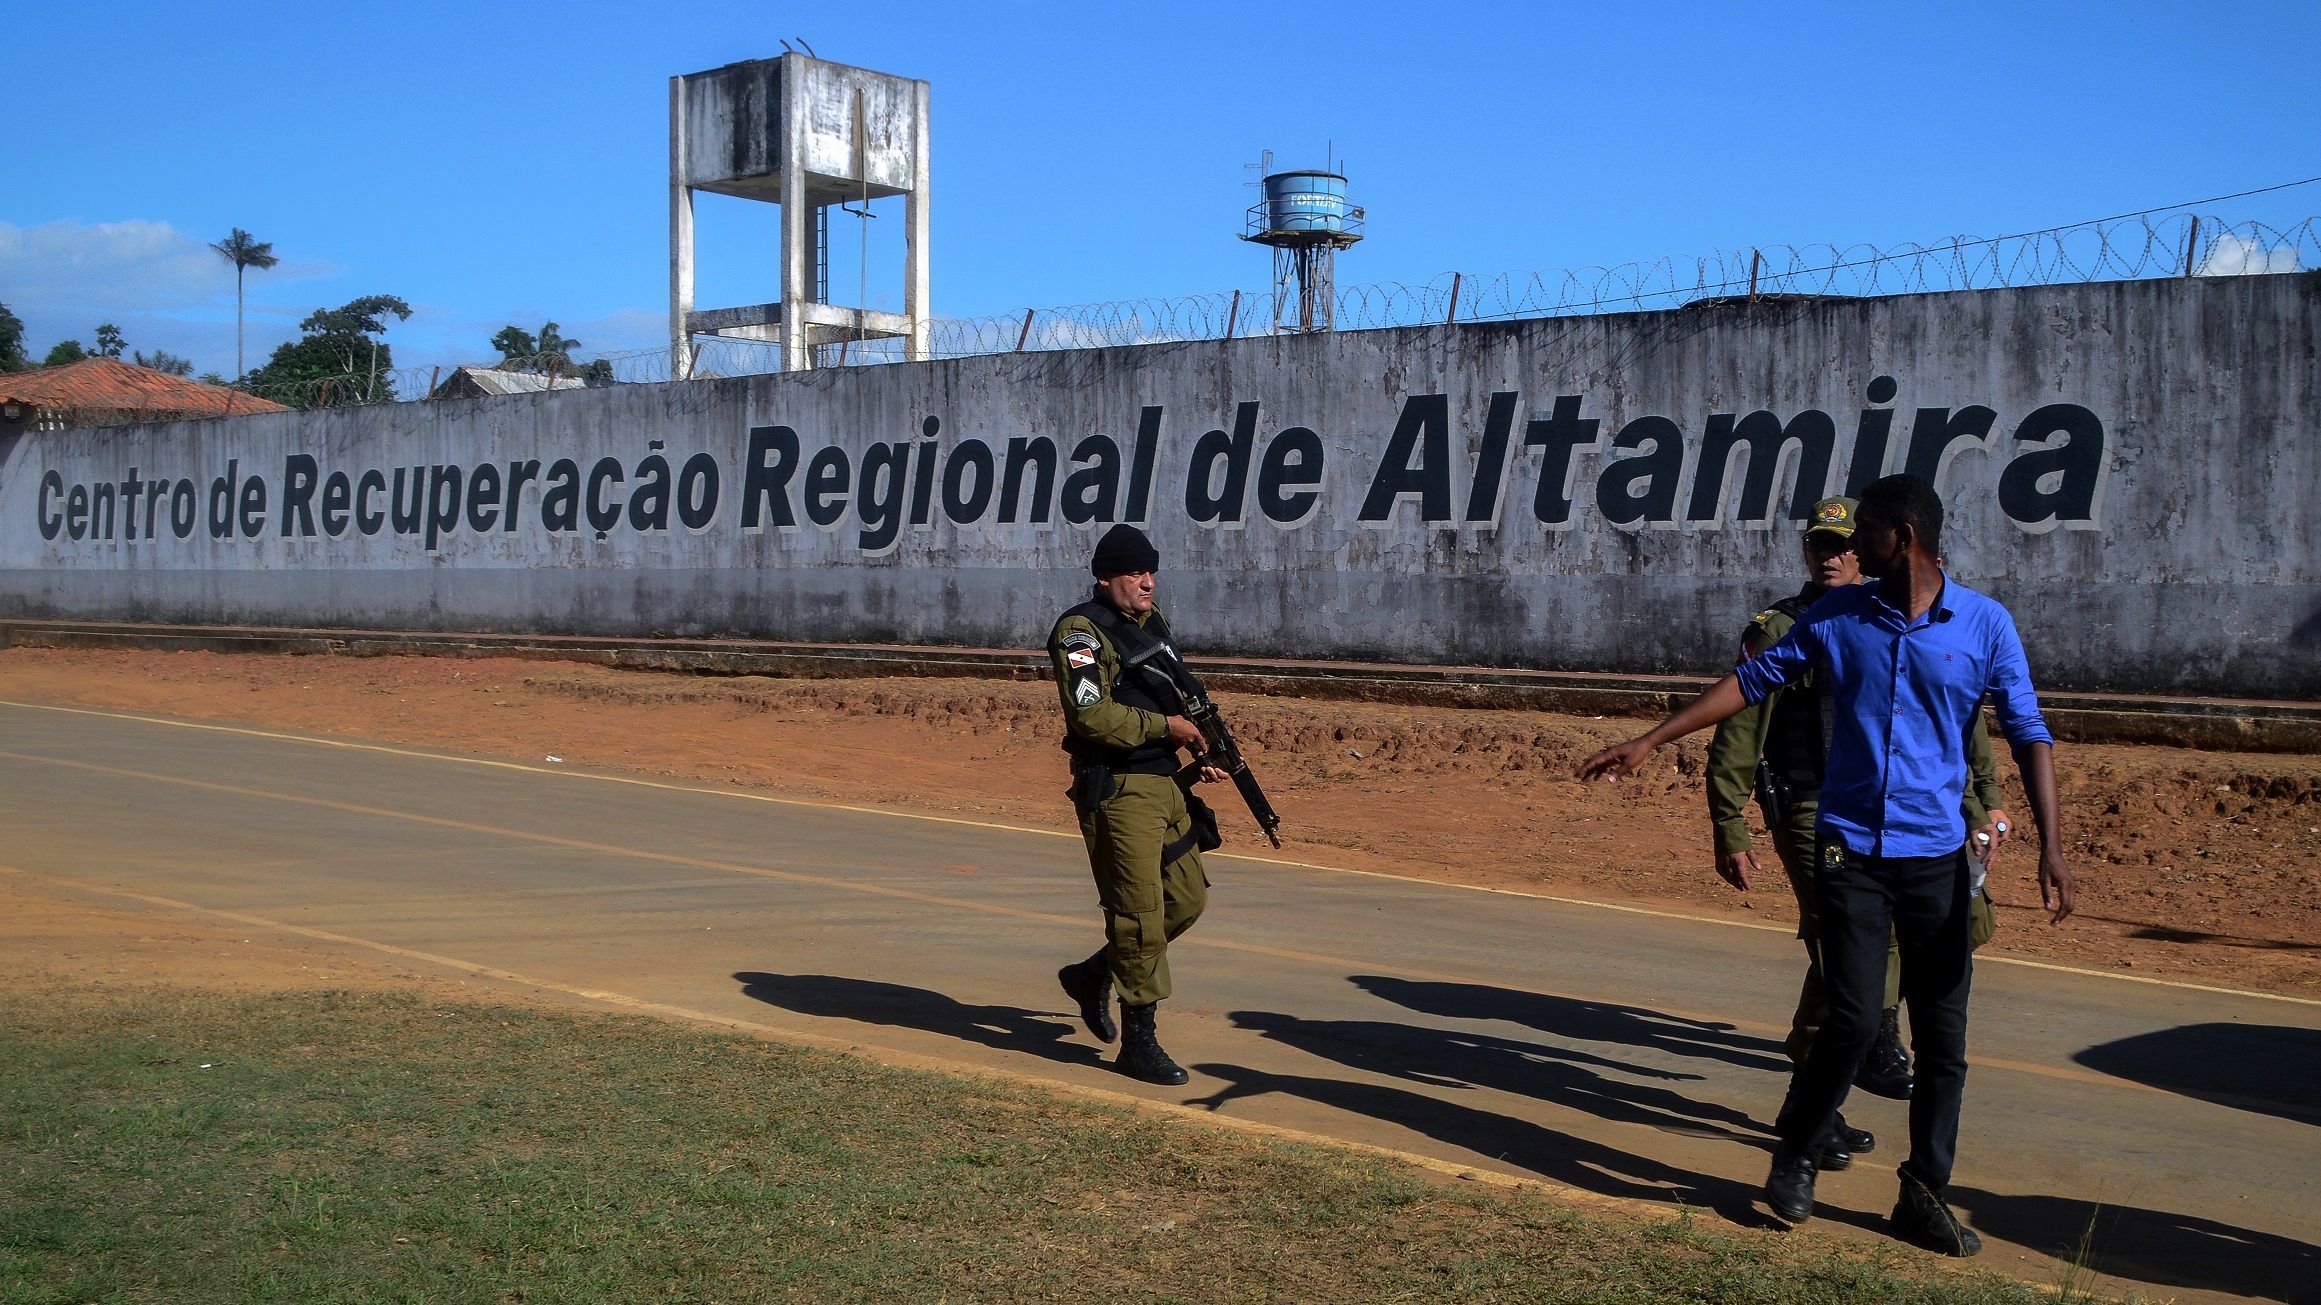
1860,1141
1845,1142
1833,1156
1789,1188
1921,1219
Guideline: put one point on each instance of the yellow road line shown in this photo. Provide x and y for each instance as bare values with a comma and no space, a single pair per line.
818,805
1074,922
1079,923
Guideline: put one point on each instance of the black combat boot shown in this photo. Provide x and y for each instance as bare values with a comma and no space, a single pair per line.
1921,1219
1885,1072
1845,1142
1089,983
1789,1188
1140,1049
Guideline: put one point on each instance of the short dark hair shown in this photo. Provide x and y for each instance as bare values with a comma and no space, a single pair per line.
1907,501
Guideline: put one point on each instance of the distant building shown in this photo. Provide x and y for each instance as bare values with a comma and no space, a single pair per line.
482,382
109,392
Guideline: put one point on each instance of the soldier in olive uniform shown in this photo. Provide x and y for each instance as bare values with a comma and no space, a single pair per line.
1776,749
1138,820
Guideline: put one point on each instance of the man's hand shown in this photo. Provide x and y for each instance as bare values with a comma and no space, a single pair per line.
1717,702
1615,761
2055,885
1736,867
1185,734
1992,837
1212,775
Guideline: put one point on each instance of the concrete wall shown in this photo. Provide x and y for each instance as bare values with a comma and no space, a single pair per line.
2132,467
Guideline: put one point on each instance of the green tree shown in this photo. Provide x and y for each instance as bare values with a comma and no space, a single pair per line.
109,342
339,361
12,357
64,351
244,251
163,361
516,346
549,352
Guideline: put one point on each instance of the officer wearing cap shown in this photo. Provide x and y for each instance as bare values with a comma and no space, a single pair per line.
1143,828
1776,750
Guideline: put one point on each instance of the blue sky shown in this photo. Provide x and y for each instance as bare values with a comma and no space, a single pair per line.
496,165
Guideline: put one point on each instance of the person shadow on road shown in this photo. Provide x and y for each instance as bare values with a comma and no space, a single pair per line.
1573,1019
868,1001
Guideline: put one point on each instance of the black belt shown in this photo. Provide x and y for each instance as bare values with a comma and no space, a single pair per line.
1129,764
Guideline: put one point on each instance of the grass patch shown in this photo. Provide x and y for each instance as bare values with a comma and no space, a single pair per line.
180,1146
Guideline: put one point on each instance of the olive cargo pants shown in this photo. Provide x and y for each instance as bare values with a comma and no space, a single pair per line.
1145,903
1795,842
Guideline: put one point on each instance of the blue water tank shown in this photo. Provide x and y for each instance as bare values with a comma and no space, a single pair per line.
1307,201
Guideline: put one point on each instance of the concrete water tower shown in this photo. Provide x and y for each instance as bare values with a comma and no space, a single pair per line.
1306,218
810,136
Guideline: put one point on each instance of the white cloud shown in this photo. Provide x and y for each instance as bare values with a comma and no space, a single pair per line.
120,268
164,289
2233,255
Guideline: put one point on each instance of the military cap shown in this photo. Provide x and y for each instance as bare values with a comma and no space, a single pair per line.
1832,516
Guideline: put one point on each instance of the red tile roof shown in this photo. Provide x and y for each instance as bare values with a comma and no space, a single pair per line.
107,391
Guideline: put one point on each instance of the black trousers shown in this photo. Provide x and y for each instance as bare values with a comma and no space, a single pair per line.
1923,901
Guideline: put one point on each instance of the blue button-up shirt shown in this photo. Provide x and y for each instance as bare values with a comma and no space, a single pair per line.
1903,695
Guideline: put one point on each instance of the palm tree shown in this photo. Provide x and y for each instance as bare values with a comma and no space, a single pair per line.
244,251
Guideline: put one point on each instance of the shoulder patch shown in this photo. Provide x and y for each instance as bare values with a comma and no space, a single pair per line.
1083,640
1085,693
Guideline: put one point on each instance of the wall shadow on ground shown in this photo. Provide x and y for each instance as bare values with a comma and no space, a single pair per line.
2268,1069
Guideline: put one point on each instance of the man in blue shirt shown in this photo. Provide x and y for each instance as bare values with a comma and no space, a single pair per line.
1907,660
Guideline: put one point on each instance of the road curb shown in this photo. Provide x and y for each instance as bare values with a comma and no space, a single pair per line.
2211,724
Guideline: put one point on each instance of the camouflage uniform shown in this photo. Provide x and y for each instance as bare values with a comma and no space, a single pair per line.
1139,828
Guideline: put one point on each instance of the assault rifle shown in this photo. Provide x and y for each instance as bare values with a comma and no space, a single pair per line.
1218,748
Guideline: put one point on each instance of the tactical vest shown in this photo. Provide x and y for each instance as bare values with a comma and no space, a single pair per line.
1127,638
1798,729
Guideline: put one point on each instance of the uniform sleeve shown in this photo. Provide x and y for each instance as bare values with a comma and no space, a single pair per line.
1983,794
1086,666
1778,666
2010,685
1734,752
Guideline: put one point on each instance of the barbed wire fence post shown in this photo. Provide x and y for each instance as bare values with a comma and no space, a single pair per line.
2128,246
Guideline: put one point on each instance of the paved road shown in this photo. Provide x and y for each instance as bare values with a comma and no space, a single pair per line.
1623,1054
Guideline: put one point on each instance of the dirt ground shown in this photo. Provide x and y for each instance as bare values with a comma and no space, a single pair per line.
2199,865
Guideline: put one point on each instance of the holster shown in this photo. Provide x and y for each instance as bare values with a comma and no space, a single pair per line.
1773,796
1205,834
1092,784
1202,835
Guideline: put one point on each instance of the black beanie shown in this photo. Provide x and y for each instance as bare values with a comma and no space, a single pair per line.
1124,551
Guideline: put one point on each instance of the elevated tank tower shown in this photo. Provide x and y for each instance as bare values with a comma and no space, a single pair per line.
808,135
1306,218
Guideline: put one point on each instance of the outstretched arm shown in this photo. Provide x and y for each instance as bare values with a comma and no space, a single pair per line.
1719,701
